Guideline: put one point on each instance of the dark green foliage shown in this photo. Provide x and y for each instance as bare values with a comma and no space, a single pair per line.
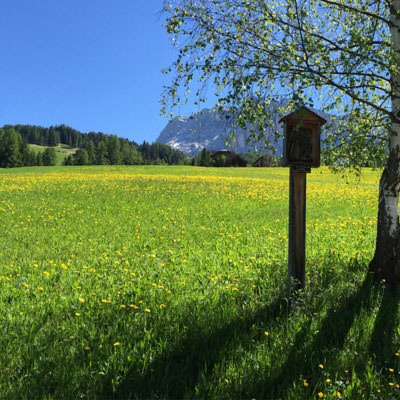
249,157
91,152
14,151
204,158
159,151
101,153
94,148
49,156
81,157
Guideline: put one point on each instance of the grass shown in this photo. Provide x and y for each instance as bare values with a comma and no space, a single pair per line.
62,151
170,282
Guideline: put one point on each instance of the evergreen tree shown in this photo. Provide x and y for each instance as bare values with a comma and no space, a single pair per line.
101,153
91,152
10,143
81,157
49,156
39,158
113,150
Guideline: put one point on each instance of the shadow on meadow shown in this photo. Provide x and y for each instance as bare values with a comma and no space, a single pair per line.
382,346
308,352
176,374
185,370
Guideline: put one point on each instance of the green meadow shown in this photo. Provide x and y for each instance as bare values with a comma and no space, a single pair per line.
151,282
62,151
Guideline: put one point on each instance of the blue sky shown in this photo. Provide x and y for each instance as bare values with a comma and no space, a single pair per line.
92,65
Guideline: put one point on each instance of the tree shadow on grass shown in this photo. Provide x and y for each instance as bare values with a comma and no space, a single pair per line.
382,347
307,353
176,373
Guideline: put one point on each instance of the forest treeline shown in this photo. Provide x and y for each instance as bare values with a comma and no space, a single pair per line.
93,148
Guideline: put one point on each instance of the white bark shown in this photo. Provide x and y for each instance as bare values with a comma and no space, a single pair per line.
391,183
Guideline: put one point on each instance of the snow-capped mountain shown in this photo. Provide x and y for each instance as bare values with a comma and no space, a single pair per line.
210,129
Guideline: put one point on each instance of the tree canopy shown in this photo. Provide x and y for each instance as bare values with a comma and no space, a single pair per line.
259,55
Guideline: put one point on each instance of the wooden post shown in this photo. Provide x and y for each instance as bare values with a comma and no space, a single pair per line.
297,227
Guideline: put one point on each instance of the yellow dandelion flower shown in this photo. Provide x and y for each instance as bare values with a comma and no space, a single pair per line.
147,310
122,306
266,333
320,366
305,383
116,344
81,300
338,394
320,395
328,380
87,347
391,384
77,314
391,369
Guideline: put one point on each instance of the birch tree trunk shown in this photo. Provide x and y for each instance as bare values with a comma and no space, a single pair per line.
386,261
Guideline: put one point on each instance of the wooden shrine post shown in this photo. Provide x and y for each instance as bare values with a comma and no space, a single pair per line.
301,151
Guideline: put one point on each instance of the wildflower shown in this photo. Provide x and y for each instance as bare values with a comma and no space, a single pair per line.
81,300
328,380
116,344
320,395
305,383
87,347
391,384
122,306
391,370
147,310
338,394
266,333
320,366
77,314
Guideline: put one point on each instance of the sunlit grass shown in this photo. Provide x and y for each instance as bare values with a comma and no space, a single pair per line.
170,282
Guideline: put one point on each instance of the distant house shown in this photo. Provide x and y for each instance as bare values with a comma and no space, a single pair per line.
225,158
267,160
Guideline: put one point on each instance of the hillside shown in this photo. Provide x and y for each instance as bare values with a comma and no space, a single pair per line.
30,145
62,151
